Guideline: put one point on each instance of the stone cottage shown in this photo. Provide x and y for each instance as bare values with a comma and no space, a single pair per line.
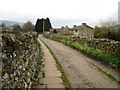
83,31
79,31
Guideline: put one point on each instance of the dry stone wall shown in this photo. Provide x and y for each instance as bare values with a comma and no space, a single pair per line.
21,60
106,45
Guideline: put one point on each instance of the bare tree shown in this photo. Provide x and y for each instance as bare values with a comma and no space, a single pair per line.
16,27
109,24
28,26
107,29
2,24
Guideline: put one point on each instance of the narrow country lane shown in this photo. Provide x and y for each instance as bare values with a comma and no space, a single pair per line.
80,72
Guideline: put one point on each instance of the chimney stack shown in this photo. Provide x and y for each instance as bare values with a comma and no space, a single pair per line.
84,24
74,25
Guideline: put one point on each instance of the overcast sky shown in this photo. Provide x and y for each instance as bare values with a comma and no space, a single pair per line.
60,12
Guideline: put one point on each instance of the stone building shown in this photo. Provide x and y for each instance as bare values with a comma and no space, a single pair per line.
83,31
79,31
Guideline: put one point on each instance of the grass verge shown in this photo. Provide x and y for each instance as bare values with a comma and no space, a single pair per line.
59,67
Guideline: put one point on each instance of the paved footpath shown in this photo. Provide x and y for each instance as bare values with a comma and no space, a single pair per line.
52,77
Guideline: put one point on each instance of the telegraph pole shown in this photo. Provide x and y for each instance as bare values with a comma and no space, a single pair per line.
43,27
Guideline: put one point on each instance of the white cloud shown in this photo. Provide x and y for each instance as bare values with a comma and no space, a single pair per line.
86,10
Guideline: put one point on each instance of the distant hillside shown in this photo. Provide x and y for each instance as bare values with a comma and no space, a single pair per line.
9,23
